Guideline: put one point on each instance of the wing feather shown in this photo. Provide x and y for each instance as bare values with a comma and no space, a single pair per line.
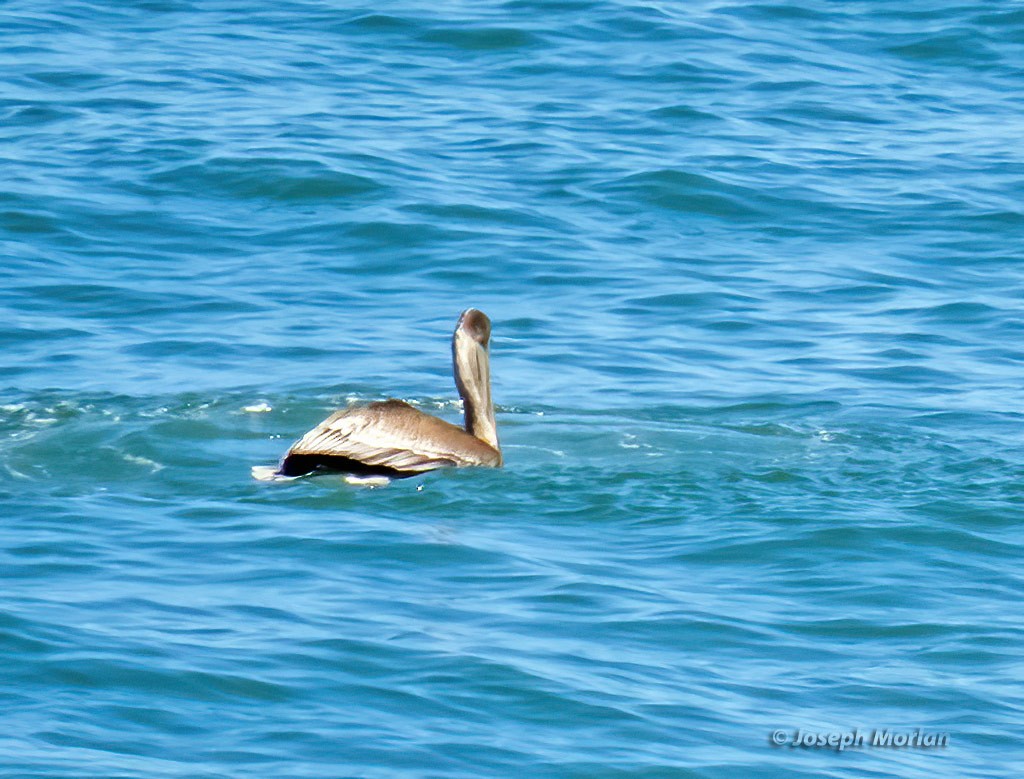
391,436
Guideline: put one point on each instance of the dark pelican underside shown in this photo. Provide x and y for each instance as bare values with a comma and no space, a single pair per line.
303,464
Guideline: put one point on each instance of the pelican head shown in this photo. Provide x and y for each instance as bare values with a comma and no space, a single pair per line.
472,363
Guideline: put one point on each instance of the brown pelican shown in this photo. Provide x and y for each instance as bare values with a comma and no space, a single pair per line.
392,439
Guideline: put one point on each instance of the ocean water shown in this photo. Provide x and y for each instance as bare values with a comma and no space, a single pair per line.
756,276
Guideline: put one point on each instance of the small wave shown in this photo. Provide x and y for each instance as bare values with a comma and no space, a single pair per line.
268,178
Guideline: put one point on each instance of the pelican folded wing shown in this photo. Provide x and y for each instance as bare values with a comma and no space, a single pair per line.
388,438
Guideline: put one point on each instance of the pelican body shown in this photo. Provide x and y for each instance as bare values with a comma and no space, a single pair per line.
392,439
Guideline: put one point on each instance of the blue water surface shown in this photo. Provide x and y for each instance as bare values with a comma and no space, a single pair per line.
756,279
